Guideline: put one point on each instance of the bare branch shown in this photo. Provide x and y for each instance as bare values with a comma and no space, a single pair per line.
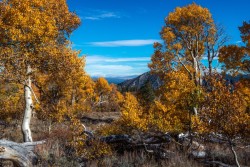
184,65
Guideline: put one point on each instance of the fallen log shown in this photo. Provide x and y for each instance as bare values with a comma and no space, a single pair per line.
96,120
126,139
21,154
151,144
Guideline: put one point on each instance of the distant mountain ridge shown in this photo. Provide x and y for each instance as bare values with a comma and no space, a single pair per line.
116,80
135,83
138,82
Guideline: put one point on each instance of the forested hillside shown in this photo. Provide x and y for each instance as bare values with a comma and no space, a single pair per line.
137,83
184,112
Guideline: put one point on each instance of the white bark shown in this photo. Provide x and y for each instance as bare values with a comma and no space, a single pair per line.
21,154
195,111
196,72
235,155
28,108
197,78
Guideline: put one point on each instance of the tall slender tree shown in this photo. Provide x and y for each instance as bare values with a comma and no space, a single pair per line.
188,32
30,32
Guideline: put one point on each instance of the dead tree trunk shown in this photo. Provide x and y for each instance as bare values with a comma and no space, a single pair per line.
21,154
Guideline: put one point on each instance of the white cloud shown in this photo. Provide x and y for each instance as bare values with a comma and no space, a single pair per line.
98,65
119,43
112,67
91,18
101,59
109,15
102,15
108,70
239,43
204,57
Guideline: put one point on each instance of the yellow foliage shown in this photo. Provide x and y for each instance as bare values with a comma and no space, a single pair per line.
65,90
132,112
106,96
186,33
132,118
102,86
11,101
244,90
173,110
224,111
84,147
33,33
236,59
245,35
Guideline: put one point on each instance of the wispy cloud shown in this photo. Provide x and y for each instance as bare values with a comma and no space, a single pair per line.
120,43
101,59
109,70
239,43
98,65
99,15
206,58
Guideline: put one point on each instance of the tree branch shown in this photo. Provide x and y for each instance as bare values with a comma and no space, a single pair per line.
184,65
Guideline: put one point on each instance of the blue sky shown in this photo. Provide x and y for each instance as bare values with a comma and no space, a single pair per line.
116,36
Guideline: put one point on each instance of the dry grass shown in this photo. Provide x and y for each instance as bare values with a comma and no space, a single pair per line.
56,153
143,159
222,153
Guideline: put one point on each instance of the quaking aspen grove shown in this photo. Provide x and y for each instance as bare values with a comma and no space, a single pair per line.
53,113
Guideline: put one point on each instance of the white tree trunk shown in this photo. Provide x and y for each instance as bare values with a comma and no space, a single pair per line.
235,155
195,111
197,77
196,72
28,108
